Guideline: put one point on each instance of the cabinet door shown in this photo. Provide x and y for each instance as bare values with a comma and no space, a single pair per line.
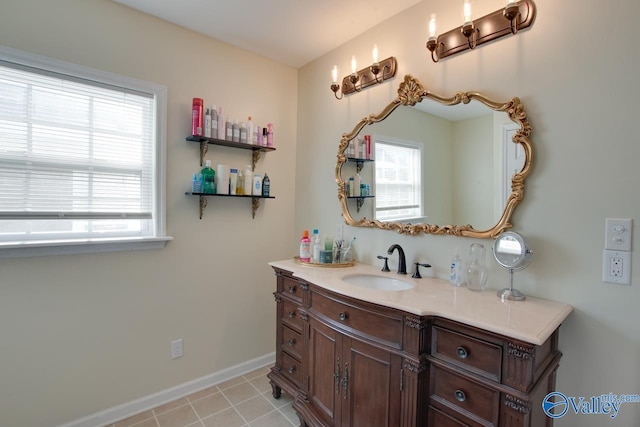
373,394
325,370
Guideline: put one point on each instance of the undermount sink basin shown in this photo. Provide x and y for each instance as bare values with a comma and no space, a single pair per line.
380,283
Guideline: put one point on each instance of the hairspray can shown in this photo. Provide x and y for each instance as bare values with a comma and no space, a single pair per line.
197,117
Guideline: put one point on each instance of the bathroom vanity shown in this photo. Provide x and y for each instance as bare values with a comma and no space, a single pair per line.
429,355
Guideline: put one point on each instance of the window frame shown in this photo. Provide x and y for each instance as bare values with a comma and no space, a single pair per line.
67,246
406,144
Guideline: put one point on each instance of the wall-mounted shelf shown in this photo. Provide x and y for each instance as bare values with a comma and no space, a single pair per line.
204,147
255,200
359,162
359,200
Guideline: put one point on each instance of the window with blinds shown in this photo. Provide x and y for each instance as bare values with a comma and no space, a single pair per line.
398,180
77,157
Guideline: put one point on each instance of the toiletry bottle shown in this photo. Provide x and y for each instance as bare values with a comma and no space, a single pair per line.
249,131
236,131
356,185
195,184
455,273
248,181
208,178
240,184
352,188
257,185
259,135
270,135
196,117
207,124
266,186
265,137
243,133
305,247
228,130
316,246
221,128
214,121
233,181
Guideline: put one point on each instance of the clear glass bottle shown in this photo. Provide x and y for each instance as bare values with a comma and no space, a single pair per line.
476,268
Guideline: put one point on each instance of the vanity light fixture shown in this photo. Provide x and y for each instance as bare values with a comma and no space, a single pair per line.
376,73
516,15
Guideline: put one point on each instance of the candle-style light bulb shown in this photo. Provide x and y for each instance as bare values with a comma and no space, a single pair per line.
432,27
466,11
511,2
334,74
354,65
374,53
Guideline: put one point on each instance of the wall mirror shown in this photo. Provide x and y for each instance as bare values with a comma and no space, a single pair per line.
436,165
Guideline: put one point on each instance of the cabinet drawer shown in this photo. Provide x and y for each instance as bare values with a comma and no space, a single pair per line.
440,419
290,315
364,321
470,400
291,342
480,357
290,287
292,369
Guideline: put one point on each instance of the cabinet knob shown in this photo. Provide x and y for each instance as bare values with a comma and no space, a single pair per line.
292,314
292,289
462,352
292,369
291,342
343,316
460,396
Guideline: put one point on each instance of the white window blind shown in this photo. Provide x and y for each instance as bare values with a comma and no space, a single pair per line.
398,180
77,157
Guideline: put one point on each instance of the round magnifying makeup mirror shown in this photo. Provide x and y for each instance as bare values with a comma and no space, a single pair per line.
512,253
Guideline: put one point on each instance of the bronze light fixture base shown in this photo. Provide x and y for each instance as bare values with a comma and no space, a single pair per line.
507,20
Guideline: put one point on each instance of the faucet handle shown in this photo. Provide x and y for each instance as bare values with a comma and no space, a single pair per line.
386,266
416,274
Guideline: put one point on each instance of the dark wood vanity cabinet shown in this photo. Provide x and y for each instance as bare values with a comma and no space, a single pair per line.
348,362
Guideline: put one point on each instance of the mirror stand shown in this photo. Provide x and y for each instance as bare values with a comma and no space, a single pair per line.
510,293
512,253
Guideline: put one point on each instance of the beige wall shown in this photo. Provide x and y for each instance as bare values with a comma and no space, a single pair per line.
81,334
580,90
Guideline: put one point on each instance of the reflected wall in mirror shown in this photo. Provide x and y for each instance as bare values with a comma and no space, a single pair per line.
437,165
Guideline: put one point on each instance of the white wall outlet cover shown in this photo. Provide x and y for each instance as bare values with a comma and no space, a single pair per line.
616,267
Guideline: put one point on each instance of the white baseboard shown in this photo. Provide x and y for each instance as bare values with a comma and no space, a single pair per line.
143,404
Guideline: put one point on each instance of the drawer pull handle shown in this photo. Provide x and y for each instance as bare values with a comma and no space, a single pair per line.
343,316
291,342
462,352
460,396
292,289
292,314
292,369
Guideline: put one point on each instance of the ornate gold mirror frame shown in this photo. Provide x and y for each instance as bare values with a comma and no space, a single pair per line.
411,92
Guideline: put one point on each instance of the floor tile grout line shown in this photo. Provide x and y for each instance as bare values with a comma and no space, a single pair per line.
195,412
234,407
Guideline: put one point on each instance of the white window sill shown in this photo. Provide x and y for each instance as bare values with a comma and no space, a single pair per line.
80,246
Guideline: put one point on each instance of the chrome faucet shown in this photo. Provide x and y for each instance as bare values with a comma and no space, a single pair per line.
402,261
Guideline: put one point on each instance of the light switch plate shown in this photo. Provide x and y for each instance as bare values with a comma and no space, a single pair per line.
617,234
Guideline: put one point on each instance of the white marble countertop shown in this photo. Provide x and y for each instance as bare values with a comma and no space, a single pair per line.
532,320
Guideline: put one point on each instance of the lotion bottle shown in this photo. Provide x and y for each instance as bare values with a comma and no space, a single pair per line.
248,181
257,185
305,247
214,121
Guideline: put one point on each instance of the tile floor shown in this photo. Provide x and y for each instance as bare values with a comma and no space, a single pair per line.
244,401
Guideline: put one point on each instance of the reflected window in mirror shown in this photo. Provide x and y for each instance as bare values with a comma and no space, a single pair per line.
398,179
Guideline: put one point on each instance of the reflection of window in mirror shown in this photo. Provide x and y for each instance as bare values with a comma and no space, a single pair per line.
398,169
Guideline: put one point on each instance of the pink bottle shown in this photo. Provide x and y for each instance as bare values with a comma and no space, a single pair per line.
197,117
270,135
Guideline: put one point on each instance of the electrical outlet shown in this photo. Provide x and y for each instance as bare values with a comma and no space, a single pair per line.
176,349
616,267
